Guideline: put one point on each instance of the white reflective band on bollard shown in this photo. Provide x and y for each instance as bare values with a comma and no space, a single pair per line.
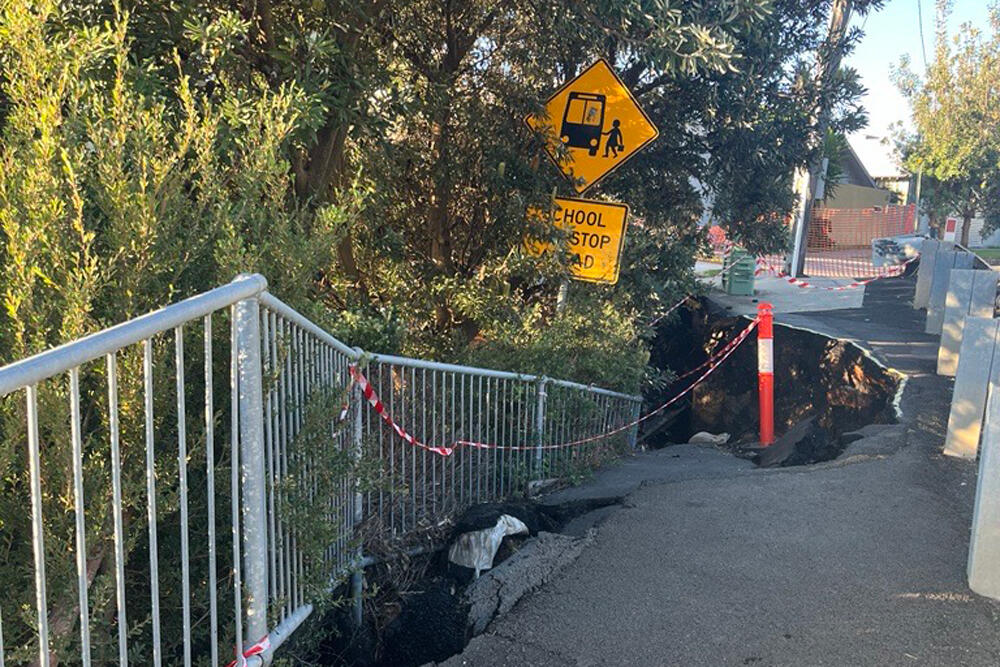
765,355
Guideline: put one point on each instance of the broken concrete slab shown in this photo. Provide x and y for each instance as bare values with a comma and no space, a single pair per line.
578,526
785,446
879,442
496,592
537,487
499,651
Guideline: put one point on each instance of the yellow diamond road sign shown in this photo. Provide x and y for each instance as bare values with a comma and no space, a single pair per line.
593,126
595,235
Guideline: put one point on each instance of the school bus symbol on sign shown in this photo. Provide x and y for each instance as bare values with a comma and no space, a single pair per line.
593,126
595,235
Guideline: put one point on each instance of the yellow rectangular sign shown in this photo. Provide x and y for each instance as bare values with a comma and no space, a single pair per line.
593,125
595,236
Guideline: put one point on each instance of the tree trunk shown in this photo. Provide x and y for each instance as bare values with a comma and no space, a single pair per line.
440,232
321,174
966,224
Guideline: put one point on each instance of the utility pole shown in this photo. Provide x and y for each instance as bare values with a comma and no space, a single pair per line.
828,63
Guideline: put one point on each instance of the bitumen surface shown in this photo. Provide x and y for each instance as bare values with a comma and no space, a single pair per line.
709,561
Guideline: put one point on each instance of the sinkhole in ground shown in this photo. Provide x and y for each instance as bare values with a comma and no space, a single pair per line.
415,608
831,381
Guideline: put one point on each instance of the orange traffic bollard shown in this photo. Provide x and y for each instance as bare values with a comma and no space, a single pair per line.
765,372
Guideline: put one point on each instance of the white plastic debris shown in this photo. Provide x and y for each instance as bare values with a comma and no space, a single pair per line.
476,549
706,438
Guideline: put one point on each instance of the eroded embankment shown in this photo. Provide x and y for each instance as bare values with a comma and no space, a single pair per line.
829,380
424,609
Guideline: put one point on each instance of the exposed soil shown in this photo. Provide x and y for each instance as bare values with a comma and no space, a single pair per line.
816,377
414,612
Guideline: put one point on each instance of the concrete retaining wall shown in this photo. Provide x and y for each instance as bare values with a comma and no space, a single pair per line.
970,293
984,545
925,272
972,381
944,262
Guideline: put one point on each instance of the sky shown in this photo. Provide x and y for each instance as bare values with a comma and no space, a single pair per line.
889,34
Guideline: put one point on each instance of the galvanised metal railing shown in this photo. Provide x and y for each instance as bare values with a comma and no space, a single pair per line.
217,450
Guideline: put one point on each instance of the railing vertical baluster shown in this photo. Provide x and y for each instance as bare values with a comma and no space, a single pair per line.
213,602
468,435
423,438
391,389
634,431
254,485
116,507
413,450
488,432
436,439
297,454
479,438
505,436
540,394
358,574
183,483
38,530
382,512
267,364
234,478
154,560
78,506
286,531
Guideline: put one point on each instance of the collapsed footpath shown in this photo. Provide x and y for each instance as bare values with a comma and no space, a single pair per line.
856,561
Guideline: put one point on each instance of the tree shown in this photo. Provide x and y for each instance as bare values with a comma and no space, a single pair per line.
754,125
956,115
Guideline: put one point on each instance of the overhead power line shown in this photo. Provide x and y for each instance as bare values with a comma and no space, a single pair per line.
920,23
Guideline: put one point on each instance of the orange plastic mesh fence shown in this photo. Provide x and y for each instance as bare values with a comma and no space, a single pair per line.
840,242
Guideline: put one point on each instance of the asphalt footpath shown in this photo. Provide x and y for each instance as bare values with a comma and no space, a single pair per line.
709,561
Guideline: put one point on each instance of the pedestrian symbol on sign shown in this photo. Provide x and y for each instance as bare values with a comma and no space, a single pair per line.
614,139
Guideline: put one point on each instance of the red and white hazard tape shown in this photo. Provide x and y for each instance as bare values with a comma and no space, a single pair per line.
708,366
724,350
257,649
369,393
763,266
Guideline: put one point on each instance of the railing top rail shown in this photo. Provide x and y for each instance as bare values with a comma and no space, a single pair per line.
491,373
44,365
272,302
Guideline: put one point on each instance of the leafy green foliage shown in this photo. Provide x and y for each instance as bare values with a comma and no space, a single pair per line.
957,122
